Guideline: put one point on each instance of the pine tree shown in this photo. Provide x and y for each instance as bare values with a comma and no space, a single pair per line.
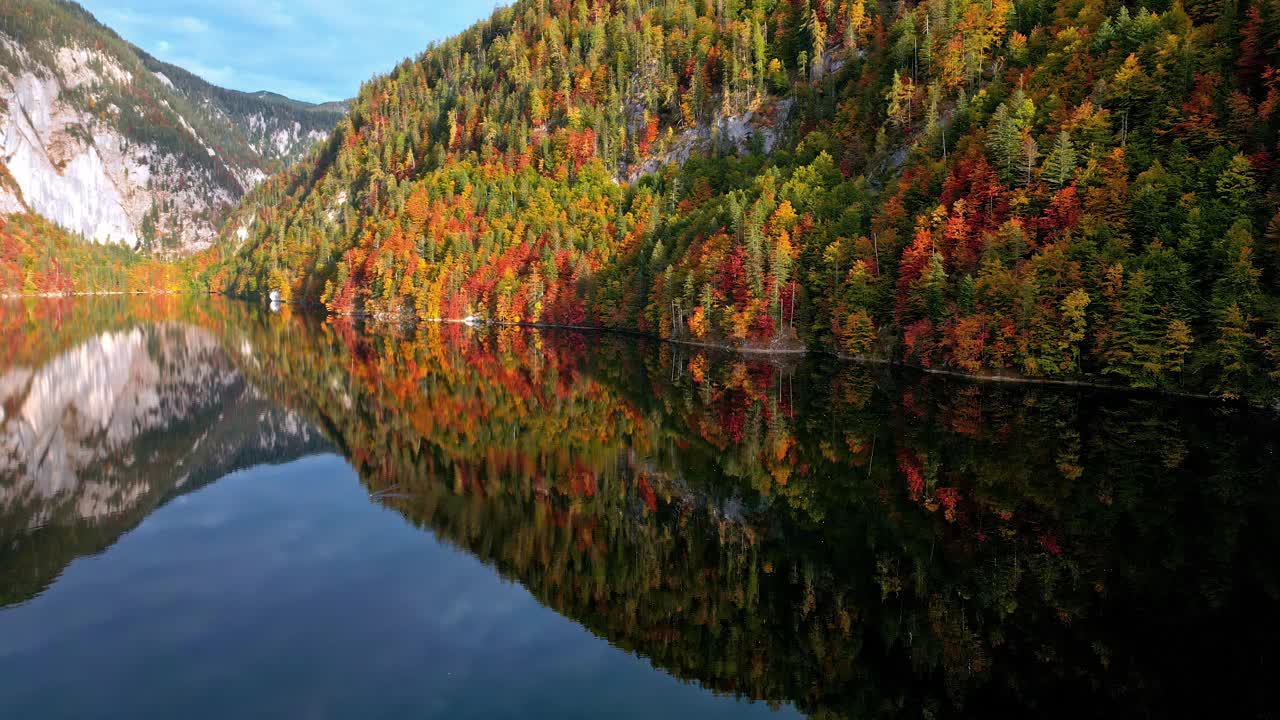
1270,251
1061,162
1232,352
933,288
1238,284
856,24
1075,323
1133,350
706,302
818,34
931,125
755,252
1003,140
1177,346
659,257
899,97
1236,186
781,273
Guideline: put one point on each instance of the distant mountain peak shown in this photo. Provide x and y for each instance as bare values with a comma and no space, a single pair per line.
119,146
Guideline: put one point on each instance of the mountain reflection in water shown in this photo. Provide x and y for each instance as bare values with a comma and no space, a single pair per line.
831,537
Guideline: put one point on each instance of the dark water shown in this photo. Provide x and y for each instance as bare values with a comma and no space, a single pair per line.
211,511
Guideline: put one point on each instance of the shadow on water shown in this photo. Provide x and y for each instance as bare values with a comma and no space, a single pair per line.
840,537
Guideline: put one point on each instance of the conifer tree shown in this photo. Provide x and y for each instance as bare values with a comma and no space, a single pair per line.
1061,161
1003,140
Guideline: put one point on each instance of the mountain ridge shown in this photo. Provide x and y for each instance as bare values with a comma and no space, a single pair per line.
115,145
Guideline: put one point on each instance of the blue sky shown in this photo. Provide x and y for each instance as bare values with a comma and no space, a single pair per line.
314,50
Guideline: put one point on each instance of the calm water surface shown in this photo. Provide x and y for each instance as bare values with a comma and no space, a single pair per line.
208,510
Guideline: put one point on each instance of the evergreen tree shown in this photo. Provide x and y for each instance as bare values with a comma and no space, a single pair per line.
1061,161
1004,143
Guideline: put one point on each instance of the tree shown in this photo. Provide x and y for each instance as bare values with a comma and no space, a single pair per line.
1075,323
1004,142
1177,346
1061,161
1128,89
1271,250
658,259
1238,284
1236,186
1232,352
1133,349
1030,153
855,24
781,273
931,125
899,97
818,33
860,334
933,288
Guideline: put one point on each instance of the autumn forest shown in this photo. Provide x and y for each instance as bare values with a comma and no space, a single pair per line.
1040,189
648,358
1071,191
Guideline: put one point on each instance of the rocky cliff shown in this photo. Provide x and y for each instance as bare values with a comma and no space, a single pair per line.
117,146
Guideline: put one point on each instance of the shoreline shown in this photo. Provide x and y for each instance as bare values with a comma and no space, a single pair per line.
1013,379
724,346
792,351
796,352
102,293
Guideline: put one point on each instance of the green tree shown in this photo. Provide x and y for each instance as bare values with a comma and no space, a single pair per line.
1061,161
1236,186
1134,350
1232,353
1004,141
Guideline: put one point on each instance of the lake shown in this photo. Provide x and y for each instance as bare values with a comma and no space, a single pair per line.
211,510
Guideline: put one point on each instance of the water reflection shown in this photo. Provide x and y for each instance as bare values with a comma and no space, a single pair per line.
829,535
111,408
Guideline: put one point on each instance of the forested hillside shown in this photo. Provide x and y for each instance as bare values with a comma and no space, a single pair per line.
1049,189
40,258
272,130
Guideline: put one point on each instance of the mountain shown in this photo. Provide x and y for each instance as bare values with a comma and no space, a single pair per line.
1083,190
274,128
117,146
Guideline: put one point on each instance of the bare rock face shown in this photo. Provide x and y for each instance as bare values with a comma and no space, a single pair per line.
117,146
762,122
53,156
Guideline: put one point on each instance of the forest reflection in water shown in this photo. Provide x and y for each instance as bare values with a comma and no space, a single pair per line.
839,537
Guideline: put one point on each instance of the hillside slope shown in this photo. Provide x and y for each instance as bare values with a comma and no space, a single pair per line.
40,258
1031,188
119,147
275,130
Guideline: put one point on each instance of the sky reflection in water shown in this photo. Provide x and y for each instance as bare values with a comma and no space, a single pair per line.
205,509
